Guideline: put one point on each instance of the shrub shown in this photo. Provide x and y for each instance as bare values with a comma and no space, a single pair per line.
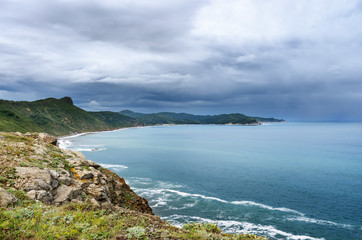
136,232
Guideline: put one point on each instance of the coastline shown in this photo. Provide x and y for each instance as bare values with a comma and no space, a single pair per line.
118,129
238,203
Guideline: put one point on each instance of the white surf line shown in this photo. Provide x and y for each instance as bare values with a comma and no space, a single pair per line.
184,194
301,217
232,226
113,166
251,203
321,222
245,203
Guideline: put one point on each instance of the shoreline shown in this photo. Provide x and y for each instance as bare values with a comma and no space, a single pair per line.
158,125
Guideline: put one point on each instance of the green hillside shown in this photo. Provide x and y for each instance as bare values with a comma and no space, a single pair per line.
60,117
57,117
186,118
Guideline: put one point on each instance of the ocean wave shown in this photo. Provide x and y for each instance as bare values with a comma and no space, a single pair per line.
65,144
232,226
90,149
251,203
113,166
195,195
75,135
321,222
187,205
184,194
150,192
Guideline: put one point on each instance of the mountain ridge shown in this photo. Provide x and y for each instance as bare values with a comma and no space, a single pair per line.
61,117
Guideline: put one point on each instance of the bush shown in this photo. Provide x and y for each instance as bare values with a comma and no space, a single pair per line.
136,232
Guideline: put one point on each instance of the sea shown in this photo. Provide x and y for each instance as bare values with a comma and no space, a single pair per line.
290,180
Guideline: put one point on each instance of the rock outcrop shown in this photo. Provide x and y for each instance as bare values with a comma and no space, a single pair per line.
6,198
57,176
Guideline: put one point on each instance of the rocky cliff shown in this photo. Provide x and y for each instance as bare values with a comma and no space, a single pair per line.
34,164
51,193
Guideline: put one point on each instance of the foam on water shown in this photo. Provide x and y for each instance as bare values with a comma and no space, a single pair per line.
321,222
195,195
64,143
184,194
114,166
165,198
251,203
232,226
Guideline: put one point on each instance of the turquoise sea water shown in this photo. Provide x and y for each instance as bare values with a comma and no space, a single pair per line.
280,180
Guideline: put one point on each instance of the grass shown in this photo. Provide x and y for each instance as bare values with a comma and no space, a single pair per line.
81,221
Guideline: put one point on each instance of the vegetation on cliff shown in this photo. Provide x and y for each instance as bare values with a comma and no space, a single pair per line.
51,193
57,117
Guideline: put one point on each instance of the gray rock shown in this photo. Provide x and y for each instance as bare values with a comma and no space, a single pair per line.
31,194
93,201
65,180
54,174
87,175
44,196
34,173
93,164
6,198
63,172
44,137
98,192
36,184
40,195
32,178
55,184
66,193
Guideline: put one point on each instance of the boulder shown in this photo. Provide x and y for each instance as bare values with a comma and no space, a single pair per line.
6,198
44,137
40,195
66,193
32,178
87,175
65,180
99,193
93,164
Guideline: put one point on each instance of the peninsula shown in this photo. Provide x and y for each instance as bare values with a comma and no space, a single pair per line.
51,193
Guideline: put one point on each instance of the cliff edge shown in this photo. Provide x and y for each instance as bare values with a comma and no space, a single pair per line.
34,164
51,193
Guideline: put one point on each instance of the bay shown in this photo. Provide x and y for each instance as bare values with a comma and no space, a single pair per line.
281,180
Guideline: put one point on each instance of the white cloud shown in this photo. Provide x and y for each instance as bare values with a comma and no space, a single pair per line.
246,58
196,51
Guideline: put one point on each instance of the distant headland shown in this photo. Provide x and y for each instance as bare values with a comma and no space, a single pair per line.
61,117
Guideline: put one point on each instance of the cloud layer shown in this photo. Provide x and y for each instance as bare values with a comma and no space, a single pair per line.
297,60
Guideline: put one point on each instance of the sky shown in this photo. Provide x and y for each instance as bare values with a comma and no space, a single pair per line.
296,60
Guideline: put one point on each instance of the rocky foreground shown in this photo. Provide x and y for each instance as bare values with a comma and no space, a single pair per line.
52,193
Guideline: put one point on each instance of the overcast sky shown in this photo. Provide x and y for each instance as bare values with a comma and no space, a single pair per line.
297,60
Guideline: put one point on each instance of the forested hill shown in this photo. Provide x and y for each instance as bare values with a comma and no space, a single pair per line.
186,118
61,117
57,117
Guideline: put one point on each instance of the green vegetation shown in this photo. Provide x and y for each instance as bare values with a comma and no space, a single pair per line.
82,221
185,118
57,117
60,117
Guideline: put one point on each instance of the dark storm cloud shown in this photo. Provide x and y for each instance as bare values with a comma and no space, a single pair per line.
295,60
